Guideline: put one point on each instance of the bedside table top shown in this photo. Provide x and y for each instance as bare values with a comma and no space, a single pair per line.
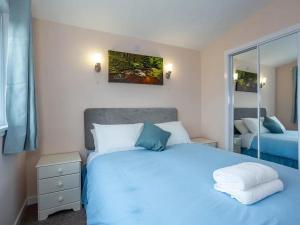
54,159
203,140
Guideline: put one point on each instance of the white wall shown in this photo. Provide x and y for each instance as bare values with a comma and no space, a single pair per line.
12,186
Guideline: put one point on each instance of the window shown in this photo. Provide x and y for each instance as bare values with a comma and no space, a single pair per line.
3,39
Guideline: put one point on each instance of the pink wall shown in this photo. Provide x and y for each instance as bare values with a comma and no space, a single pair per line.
267,93
12,186
278,15
284,95
67,85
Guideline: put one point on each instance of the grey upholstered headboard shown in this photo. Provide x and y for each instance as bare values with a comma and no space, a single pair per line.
123,116
240,113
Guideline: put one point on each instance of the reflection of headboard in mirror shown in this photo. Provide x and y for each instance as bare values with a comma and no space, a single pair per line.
240,113
123,116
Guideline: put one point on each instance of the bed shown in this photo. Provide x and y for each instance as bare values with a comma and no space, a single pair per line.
279,148
173,187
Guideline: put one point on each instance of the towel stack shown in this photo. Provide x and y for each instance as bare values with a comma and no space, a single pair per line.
248,182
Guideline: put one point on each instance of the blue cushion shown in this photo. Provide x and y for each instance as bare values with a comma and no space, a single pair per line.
153,138
272,126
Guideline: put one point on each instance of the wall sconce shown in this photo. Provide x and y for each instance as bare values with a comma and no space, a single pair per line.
97,58
169,69
263,82
235,76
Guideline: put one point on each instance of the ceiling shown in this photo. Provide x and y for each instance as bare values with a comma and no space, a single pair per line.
190,24
275,53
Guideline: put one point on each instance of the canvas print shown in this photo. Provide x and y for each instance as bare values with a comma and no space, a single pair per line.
133,68
246,81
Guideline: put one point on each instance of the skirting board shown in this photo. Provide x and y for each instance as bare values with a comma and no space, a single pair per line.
28,201
31,200
20,214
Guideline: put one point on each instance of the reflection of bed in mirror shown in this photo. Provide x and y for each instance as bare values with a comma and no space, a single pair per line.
278,148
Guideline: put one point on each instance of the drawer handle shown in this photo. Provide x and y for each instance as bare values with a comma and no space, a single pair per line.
60,199
60,184
60,170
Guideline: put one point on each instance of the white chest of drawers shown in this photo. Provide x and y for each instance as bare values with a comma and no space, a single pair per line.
205,141
58,183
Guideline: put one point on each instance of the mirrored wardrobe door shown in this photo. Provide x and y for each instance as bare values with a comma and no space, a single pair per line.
245,102
278,140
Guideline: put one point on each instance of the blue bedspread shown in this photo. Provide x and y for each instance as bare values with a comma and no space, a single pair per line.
284,145
175,187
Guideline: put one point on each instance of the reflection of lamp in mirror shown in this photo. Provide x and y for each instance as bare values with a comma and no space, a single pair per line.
263,82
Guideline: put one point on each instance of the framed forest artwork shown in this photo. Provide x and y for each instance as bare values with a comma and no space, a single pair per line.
133,68
246,81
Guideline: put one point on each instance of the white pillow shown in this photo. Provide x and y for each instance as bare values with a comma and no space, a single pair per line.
252,125
279,123
116,137
178,134
241,127
95,140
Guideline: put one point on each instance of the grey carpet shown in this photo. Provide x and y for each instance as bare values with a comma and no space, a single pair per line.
68,217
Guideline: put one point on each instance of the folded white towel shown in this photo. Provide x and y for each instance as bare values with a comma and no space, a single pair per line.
254,194
244,175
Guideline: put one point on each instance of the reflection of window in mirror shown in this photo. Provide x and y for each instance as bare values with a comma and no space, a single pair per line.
285,94
278,62
280,56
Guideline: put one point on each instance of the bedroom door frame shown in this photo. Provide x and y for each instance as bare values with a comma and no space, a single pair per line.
229,83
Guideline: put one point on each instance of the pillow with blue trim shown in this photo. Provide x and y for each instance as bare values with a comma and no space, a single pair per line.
153,138
272,126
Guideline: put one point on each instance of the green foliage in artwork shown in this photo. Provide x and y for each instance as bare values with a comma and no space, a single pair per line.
125,64
246,81
156,73
246,77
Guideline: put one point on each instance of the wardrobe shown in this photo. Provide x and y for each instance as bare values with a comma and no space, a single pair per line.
263,99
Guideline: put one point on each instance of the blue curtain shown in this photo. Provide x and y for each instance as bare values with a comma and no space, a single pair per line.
20,97
295,95
3,59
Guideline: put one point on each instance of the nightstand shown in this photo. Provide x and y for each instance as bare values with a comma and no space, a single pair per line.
237,144
205,141
58,183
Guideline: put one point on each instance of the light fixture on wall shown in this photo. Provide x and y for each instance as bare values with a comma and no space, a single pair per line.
263,82
169,69
97,58
235,76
